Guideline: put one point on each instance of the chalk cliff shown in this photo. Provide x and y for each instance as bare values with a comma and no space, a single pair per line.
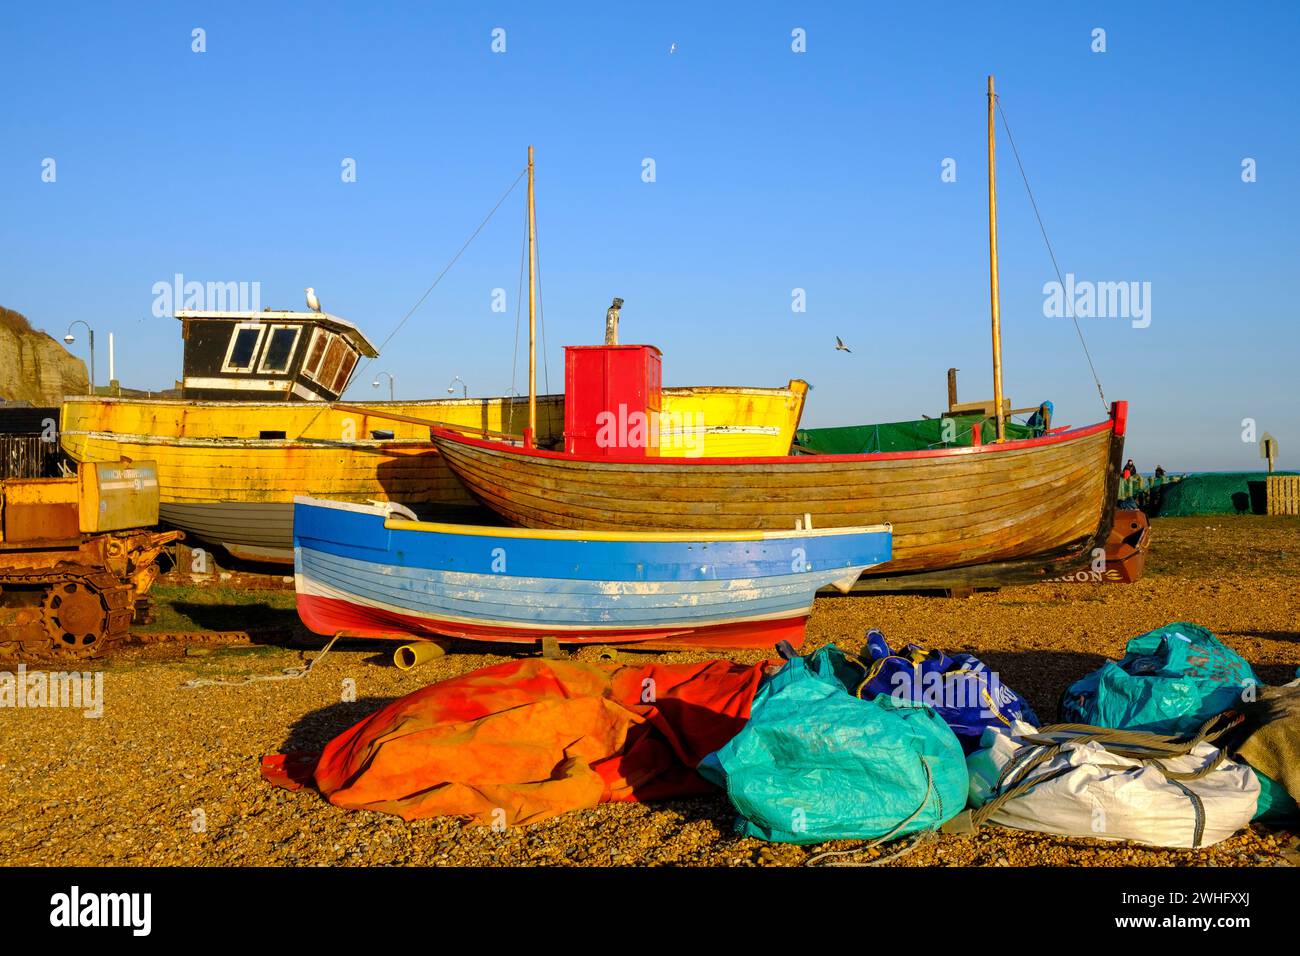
33,366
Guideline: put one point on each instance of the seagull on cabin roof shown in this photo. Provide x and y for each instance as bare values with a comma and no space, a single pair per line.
313,303
841,347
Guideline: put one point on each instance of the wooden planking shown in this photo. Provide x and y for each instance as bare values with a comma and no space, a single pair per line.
994,516
253,524
796,484
776,409
897,488
1283,495
619,583
168,418
225,472
946,510
211,452
555,601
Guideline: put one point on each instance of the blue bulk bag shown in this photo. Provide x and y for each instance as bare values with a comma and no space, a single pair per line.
960,688
1170,681
816,763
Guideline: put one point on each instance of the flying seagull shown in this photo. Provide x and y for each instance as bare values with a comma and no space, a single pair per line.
841,347
313,303
672,49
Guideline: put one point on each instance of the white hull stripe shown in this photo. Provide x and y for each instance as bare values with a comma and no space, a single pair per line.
305,585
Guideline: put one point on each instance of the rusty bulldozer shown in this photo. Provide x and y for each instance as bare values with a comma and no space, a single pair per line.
76,555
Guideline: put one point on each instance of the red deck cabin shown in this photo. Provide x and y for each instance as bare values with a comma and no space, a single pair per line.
612,399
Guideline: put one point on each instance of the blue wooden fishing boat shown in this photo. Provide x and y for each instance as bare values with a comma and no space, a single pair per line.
373,570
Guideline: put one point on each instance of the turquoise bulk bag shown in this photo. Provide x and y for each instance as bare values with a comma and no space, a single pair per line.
1170,681
816,763
1275,805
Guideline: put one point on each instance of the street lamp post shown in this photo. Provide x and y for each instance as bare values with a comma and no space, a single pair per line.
391,383
70,338
464,389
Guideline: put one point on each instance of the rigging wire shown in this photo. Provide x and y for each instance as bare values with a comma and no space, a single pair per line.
447,268
1051,253
459,253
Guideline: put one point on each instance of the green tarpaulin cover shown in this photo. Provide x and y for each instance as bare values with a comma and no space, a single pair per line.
904,436
1215,493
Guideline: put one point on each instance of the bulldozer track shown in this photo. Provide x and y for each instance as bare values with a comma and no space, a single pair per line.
67,602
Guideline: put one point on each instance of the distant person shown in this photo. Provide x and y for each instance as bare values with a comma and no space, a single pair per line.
1130,469
1160,472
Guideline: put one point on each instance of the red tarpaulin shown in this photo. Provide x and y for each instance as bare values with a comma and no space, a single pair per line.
532,738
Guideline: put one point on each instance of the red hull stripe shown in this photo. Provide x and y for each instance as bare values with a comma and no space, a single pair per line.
331,615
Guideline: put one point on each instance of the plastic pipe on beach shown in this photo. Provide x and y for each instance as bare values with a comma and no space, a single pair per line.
409,656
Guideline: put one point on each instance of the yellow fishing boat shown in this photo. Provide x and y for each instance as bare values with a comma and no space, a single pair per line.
228,470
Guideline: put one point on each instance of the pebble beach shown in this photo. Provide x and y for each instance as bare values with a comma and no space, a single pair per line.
169,774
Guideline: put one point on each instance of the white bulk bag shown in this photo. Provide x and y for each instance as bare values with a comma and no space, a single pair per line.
1112,797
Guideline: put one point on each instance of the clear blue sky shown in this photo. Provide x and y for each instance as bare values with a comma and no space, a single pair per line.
775,171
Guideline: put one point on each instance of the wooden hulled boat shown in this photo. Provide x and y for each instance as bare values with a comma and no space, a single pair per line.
229,471
369,570
256,423
962,517
1010,511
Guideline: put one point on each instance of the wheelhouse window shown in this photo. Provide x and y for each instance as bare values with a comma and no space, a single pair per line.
280,348
330,360
320,340
344,372
241,354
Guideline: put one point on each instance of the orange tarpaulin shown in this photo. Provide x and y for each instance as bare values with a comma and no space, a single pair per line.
531,739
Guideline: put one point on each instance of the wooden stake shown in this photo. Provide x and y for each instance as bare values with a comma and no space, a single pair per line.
993,273
532,304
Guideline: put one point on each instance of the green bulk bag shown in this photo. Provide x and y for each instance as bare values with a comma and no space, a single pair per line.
1275,805
1170,681
815,763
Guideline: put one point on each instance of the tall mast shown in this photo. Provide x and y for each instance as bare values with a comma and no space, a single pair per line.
993,273
532,305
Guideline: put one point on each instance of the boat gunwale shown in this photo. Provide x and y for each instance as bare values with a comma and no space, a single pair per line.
306,441
303,405
1114,424
683,391
185,441
392,523
781,391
